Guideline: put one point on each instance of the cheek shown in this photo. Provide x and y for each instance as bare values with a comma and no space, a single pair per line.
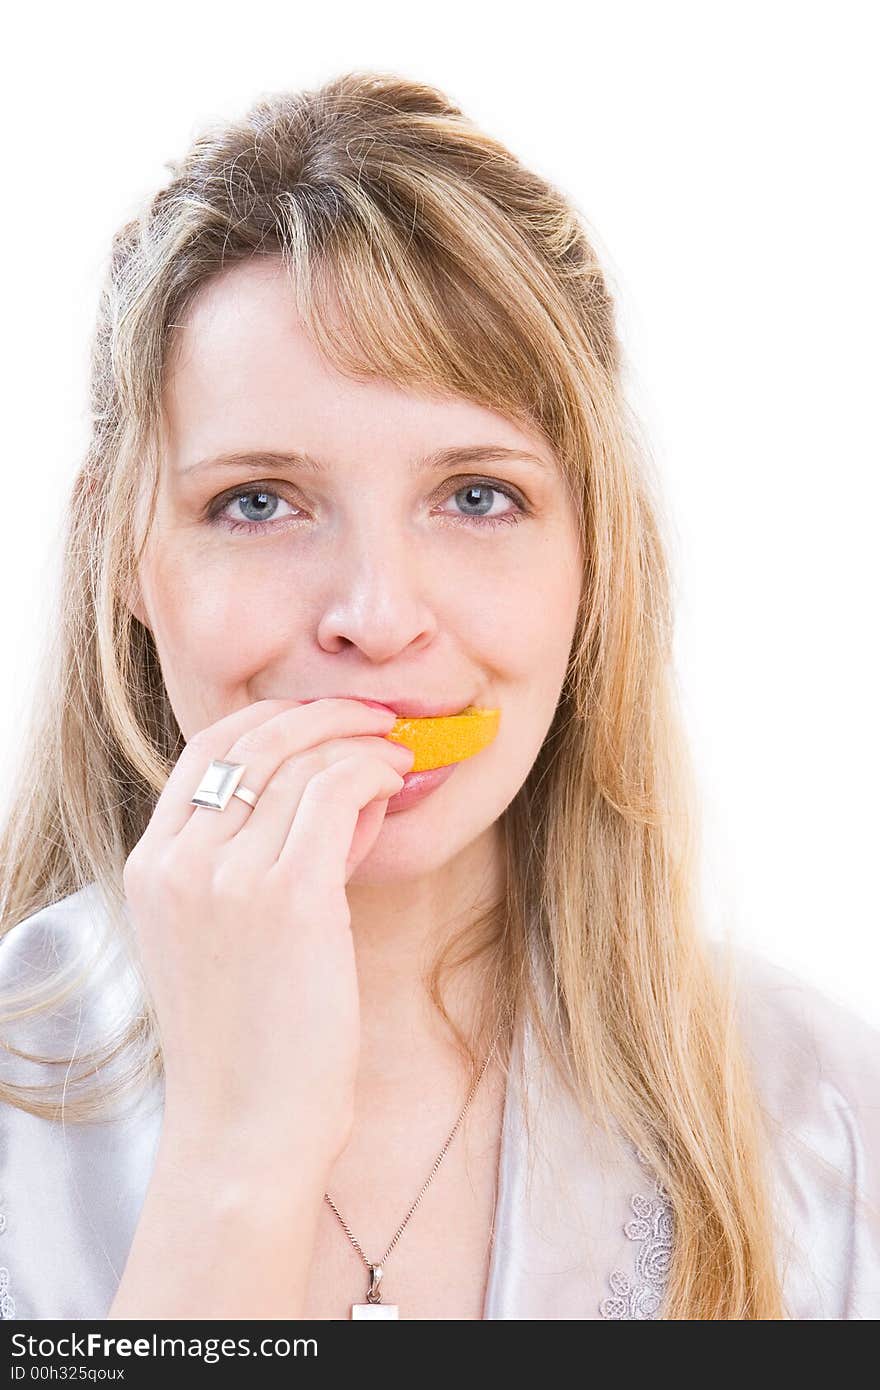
524,626
522,636
211,631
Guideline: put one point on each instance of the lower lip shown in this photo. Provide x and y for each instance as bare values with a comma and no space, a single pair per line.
418,785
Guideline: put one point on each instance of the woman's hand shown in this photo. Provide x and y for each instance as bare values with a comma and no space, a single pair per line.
244,926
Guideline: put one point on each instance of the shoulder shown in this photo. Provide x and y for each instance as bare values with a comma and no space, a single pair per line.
66,981
815,1064
798,1037
70,1193
53,938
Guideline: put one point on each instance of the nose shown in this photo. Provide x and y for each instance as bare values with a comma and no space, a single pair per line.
376,599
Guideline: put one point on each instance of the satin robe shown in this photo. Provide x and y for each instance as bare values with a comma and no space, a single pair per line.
582,1227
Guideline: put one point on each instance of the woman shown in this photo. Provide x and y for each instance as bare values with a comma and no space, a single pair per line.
360,452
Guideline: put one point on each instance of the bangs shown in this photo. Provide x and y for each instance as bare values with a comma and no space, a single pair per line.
428,316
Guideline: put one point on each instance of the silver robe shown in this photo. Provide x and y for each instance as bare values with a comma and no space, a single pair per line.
582,1228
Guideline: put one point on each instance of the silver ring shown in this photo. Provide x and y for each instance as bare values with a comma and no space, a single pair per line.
245,795
219,784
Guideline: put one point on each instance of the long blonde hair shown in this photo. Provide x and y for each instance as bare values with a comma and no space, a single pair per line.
456,270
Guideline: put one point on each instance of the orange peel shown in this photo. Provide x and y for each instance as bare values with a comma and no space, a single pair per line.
446,739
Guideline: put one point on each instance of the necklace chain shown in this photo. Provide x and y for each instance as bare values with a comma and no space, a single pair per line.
437,1161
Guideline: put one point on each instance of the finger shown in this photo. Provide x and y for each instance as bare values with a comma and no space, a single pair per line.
366,834
320,839
266,747
173,809
266,828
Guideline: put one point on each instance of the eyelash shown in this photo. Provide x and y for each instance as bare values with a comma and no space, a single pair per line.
215,518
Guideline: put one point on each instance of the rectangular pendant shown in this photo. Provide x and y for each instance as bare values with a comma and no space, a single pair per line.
374,1310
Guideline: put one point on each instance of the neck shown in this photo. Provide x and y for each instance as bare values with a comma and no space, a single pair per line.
398,929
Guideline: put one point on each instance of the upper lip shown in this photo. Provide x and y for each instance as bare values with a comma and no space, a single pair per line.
405,708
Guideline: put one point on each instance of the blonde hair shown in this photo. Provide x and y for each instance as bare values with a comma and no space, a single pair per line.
420,249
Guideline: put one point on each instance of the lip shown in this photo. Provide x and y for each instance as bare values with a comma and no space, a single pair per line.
417,786
403,708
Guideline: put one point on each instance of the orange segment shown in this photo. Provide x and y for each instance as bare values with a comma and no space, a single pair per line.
447,739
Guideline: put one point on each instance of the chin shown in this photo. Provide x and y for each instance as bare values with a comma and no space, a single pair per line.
389,863
413,844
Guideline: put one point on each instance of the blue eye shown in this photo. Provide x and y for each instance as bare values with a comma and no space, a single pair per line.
485,503
262,503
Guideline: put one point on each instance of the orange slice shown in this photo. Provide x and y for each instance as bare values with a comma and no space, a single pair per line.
446,739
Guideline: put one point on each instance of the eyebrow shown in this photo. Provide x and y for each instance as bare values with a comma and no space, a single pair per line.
433,462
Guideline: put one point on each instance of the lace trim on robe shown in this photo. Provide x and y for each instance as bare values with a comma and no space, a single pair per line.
653,1227
7,1302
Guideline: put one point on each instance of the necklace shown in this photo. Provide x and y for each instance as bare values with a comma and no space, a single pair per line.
374,1307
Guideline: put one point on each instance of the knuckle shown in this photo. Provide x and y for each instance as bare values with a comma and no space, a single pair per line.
308,763
251,741
173,868
327,785
200,741
231,881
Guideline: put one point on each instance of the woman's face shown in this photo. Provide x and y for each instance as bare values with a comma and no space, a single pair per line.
367,573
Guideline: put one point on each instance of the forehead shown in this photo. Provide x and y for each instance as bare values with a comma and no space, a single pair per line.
244,374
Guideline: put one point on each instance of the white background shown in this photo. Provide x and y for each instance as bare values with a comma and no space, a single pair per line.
724,156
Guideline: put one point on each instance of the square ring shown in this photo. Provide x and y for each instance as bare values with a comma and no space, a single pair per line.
215,790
